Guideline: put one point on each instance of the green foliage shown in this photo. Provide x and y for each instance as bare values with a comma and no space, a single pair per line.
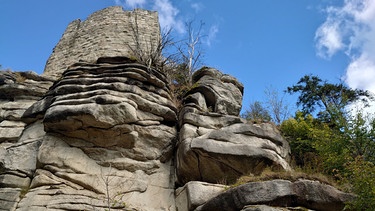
303,133
359,137
345,152
361,174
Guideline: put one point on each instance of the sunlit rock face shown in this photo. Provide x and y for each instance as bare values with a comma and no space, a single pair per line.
215,144
103,134
100,131
108,125
111,105
19,141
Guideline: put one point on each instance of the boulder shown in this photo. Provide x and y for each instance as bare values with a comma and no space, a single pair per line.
269,208
281,193
216,92
195,193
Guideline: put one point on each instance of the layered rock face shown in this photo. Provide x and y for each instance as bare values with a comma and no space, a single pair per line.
19,141
110,130
215,144
100,131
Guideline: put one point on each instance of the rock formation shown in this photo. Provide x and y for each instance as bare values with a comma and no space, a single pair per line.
99,130
215,144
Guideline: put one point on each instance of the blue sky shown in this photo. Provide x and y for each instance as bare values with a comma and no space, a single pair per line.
267,43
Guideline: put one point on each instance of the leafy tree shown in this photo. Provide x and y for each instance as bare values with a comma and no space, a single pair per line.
331,98
359,136
257,112
361,174
335,147
343,140
302,133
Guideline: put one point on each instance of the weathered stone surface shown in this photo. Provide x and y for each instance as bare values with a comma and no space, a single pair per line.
213,147
305,193
18,91
19,86
10,130
14,181
195,193
269,208
9,198
21,156
145,185
106,33
110,105
222,93
109,126
215,144
19,142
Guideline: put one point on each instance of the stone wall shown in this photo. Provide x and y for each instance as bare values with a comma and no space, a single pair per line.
109,32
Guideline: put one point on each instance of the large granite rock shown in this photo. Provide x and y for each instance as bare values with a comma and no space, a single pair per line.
215,145
280,193
18,91
19,142
194,194
110,133
215,92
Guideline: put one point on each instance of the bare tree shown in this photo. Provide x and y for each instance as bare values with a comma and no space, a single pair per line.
148,51
190,51
257,113
276,105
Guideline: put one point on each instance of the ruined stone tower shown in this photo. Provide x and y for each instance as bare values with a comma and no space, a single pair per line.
108,32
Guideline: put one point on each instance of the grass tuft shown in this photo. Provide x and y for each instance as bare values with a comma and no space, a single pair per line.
292,176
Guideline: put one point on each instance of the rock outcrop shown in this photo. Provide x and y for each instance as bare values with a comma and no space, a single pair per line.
110,131
19,142
215,144
280,193
99,130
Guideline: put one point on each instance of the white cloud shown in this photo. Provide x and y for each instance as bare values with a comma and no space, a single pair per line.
131,3
197,6
214,29
168,15
329,39
361,73
351,29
